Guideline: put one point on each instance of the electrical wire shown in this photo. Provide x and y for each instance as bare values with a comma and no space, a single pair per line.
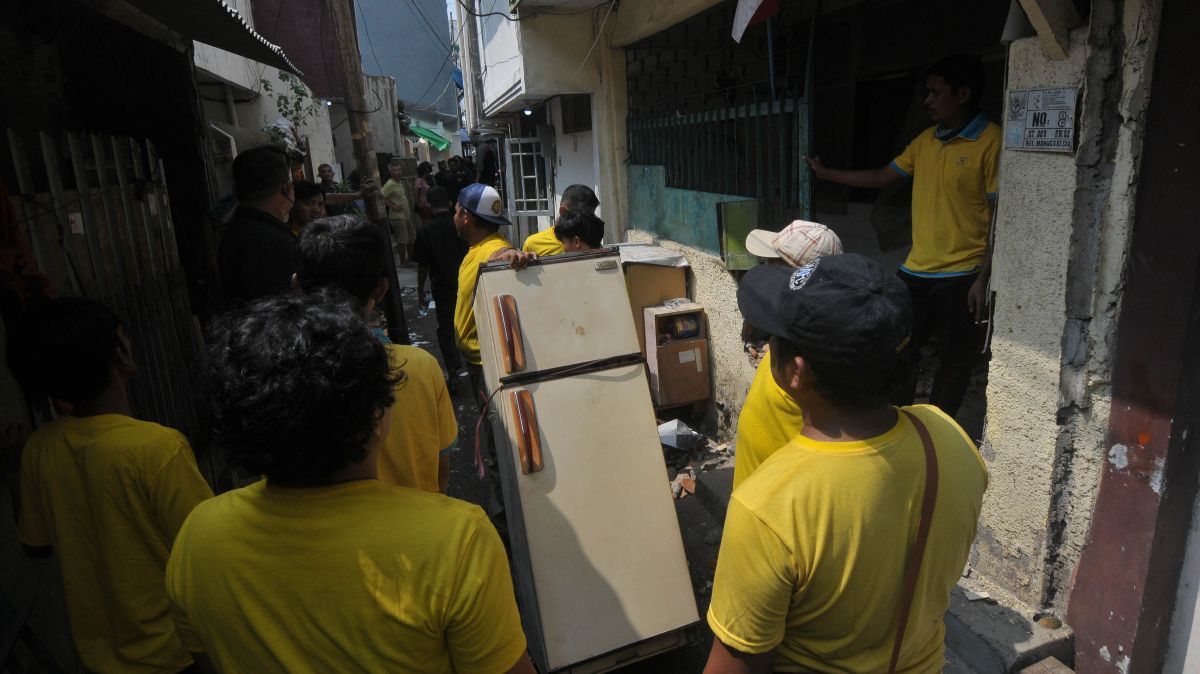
433,31
599,32
449,53
578,11
468,10
509,17
367,33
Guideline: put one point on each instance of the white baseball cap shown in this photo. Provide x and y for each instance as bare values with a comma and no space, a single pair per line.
484,201
797,244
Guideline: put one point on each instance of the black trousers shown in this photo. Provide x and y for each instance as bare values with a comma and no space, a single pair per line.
444,310
487,450
940,308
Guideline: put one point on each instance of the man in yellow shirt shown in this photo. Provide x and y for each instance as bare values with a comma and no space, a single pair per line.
104,491
575,198
810,575
478,216
347,252
954,167
400,212
320,567
770,418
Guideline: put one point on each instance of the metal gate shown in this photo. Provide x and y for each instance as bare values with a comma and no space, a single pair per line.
530,192
104,231
754,150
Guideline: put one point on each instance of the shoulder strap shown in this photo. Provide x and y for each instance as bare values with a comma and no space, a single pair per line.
913,569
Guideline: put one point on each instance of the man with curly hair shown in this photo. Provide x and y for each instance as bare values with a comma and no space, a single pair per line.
347,252
105,491
320,567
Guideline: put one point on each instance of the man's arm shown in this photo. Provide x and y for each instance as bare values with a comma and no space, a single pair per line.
977,296
523,666
518,259
752,591
369,187
725,660
868,178
177,489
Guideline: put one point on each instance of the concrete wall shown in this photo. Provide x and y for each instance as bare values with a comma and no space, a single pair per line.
254,108
1062,241
257,108
1033,246
554,48
713,287
575,160
685,216
637,20
500,62
381,99
1183,654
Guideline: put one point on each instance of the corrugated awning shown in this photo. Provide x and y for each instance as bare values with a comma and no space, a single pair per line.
438,142
216,23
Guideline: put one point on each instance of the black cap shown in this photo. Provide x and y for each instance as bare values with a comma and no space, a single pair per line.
840,310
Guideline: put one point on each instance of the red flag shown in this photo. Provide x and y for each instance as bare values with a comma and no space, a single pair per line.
750,12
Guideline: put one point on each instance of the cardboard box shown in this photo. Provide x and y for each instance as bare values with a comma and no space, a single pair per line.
678,367
651,285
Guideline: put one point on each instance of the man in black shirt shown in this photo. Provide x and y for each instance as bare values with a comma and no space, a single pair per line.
439,252
256,257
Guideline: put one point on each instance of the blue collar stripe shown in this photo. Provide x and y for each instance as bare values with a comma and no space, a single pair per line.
971,131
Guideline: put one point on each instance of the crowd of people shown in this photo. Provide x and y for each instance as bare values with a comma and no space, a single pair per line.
851,519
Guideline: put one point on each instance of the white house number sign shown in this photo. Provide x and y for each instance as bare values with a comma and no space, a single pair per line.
1041,119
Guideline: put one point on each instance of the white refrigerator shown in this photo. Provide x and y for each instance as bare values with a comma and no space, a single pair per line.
599,564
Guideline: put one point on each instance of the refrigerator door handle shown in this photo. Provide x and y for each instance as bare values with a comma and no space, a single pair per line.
508,325
529,442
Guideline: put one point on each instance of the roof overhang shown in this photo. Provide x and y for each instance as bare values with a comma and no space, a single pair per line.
216,23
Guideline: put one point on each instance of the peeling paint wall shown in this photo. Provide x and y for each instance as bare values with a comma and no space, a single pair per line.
1033,246
1062,240
715,288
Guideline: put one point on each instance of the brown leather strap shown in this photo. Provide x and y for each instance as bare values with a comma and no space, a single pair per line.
913,570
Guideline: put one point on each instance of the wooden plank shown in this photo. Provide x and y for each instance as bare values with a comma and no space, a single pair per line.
25,185
50,157
157,395
173,378
180,300
44,227
90,227
1053,21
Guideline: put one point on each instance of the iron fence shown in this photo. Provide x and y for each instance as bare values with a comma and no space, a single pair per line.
754,150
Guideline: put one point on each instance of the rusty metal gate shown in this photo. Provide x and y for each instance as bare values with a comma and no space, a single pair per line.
754,150
111,239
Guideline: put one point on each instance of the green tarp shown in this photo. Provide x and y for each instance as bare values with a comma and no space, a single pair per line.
440,144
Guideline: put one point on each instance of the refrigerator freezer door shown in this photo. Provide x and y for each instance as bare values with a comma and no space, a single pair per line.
552,315
596,542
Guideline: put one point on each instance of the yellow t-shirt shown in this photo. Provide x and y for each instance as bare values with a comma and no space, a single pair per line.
394,192
354,577
769,420
423,425
816,542
544,243
954,183
465,331
109,493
